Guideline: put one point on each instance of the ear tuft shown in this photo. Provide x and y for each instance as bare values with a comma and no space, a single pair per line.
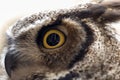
112,12
110,15
111,4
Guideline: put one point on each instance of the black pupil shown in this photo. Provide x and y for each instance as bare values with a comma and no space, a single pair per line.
53,39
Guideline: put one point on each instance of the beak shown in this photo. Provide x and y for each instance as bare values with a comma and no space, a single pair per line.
10,62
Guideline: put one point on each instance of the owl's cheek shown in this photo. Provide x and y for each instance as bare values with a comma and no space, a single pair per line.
29,73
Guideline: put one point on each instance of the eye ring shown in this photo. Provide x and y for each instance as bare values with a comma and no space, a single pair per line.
53,39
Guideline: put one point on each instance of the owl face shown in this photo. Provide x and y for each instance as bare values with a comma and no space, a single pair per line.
59,44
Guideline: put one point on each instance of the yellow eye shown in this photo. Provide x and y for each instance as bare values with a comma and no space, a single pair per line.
53,39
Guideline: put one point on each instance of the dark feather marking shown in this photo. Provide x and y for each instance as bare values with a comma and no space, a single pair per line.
69,76
85,46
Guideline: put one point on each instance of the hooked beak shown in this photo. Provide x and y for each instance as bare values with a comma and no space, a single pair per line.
10,62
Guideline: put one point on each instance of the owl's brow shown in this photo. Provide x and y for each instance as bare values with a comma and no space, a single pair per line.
92,11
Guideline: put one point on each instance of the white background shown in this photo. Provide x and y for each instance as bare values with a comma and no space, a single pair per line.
12,8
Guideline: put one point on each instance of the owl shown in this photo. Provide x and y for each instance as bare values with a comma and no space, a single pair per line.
67,44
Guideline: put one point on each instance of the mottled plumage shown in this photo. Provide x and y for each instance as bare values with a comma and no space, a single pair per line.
90,50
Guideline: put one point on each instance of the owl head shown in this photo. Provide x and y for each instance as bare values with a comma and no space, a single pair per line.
68,44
